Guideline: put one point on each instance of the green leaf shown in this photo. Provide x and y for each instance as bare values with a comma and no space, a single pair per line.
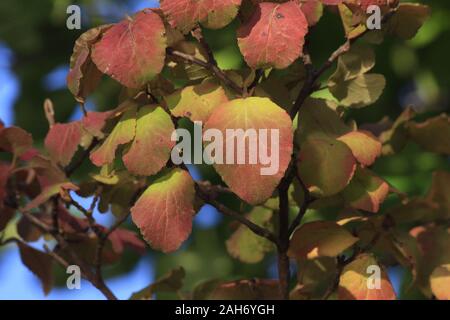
365,146
354,281
255,289
395,138
408,19
170,282
152,143
196,102
325,165
366,191
320,239
359,92
319,118
247,246
124,132
165,210
359,60
433,134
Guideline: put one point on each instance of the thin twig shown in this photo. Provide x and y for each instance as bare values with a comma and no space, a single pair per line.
209,66
260,231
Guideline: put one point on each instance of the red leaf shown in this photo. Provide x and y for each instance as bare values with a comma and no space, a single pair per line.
164,212
121,238
95,121
15,140
251,180
133,51
84,76
5,170
39,263
62,141
185,14
274,35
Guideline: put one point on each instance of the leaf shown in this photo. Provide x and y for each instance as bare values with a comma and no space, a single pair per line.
366,191
185,14
439,193
132,51
62,141
196,102
358,60
255,289
247,246
152,144
94,122
434,245
41,264
49,192
180,69
165,210
314,277
365,147
359,92
121,238
440,282
325,165
320,239
6,214
428,134
319,118
253,113
408,19
354,281
313,10
123,132
84,76
171,282
273,36
395,138
5,171
15,140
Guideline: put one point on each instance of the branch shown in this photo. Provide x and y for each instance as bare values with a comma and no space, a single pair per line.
307,200
103,237
209,198
89,275
75,165
207,65
283,238
312,76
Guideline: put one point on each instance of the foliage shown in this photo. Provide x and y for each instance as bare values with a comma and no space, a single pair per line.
169,76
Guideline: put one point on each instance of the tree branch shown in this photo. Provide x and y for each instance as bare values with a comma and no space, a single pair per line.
89,275
314,75
209,66
209,198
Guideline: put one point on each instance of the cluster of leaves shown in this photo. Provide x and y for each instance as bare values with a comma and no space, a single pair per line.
169,76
